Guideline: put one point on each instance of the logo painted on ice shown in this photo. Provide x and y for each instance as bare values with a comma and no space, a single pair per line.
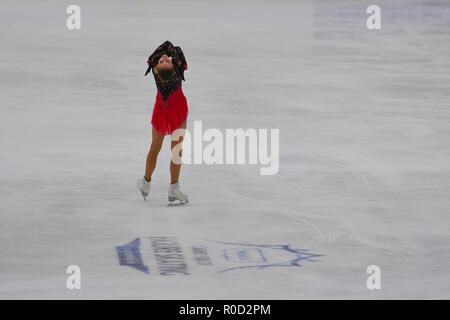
130,255
170,259
262,256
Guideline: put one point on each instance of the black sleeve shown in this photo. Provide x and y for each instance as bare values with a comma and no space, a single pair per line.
167,48
179,61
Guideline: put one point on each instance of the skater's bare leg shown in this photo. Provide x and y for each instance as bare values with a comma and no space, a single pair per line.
157,141
175,146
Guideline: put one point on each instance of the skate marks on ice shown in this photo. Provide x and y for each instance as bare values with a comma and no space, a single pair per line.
344,167
171,255
334,229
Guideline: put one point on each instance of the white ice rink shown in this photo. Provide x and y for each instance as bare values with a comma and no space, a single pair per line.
364,175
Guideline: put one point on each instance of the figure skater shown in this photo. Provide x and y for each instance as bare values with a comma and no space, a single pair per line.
170,112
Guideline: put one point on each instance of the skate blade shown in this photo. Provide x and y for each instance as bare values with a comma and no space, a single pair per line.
176,202
144,195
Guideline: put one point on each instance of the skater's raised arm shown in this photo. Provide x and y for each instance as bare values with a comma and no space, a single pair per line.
166,48
161,56
180,62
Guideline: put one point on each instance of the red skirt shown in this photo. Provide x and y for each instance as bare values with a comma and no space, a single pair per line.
170,114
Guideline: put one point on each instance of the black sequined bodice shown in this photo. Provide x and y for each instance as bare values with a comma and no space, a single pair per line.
166,87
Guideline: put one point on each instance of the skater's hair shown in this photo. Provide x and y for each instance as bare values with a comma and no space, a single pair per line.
165,73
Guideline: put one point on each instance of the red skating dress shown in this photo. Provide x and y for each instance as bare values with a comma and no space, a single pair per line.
170,109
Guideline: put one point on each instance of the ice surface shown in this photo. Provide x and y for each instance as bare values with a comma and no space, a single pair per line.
364,173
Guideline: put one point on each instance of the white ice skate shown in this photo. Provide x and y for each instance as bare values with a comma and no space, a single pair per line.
176,194
144,186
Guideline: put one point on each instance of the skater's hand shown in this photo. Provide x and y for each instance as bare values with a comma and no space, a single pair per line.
165,48
178,59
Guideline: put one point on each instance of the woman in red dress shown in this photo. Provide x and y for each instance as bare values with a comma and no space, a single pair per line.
170,112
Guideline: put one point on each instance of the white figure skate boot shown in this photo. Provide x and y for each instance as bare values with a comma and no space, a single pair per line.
144,186
176,194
